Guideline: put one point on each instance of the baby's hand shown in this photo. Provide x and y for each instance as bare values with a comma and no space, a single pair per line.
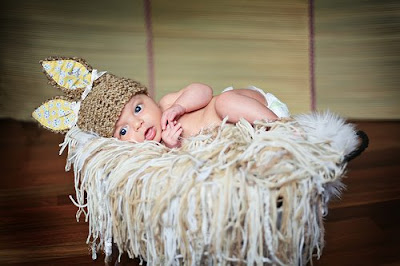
171,114
171,135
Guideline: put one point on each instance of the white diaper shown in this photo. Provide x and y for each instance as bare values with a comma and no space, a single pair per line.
273,103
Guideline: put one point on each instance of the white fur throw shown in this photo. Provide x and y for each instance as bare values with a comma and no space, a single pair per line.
235,194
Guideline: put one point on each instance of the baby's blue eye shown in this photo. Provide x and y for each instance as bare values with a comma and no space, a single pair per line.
122,132
138,108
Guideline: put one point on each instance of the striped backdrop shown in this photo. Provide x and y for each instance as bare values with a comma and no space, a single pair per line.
314,55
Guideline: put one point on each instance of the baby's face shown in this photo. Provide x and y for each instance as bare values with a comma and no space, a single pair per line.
140,120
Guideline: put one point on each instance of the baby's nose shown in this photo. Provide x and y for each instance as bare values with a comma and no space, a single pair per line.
138,123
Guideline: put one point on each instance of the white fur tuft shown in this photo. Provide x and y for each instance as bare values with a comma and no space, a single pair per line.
330,127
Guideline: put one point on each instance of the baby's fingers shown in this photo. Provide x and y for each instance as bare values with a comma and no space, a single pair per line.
176,126
178,133
176,130
167,118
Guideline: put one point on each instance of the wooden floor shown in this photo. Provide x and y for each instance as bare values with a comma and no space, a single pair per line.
38,225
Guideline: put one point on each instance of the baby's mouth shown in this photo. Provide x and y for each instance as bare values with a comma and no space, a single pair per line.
150,133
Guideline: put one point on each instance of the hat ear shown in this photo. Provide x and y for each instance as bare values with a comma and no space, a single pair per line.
57,114
71,75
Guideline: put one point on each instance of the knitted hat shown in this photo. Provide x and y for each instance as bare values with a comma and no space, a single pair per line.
94,100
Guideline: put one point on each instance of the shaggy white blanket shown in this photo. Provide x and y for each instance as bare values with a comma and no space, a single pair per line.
235,194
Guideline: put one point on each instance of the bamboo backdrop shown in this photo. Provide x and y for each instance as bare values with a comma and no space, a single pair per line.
109,35
358,57
238,43
222,43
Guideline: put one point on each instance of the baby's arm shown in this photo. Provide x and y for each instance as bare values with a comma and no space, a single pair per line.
191,98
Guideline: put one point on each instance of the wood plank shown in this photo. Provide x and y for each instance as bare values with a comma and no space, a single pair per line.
38,224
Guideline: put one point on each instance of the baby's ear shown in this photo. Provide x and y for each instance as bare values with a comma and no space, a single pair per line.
71,75
57,114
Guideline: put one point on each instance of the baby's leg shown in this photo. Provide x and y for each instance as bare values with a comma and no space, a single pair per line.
243,103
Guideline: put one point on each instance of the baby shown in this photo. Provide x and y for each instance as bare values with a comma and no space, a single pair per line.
186,112
111,106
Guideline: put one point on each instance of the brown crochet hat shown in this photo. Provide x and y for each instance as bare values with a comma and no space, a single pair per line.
94,99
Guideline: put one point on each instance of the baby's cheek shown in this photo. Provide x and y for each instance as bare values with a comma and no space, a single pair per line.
127,137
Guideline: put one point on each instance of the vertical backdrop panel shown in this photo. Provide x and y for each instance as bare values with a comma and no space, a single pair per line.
358,58
109,35
233,43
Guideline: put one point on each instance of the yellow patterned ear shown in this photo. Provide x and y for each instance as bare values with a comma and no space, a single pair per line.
68,74
57,114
